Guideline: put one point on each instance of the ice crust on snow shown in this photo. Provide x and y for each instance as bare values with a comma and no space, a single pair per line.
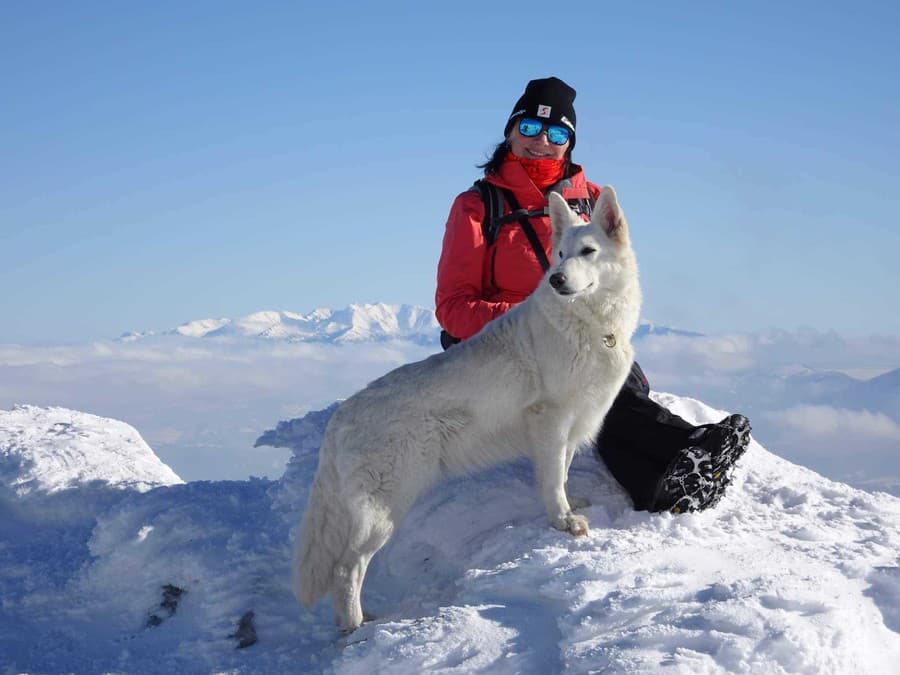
790,573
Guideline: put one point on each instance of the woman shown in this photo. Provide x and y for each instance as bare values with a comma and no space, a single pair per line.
663,462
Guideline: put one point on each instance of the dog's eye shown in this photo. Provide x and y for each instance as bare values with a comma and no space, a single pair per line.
560,255
587,250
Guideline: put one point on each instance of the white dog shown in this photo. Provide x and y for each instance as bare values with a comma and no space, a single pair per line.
537,382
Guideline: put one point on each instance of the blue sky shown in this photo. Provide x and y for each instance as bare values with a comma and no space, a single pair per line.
163,162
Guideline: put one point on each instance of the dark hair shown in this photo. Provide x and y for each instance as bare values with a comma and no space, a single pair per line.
496,160
499,154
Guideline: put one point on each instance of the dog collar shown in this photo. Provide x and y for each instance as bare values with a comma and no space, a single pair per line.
609,340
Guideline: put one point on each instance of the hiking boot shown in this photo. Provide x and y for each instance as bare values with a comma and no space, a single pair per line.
697,478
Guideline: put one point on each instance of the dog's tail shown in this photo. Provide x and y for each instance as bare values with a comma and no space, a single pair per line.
320,543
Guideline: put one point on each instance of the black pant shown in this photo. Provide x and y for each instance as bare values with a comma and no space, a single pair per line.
639,439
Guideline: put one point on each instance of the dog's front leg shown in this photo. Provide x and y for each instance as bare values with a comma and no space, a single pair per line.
550,467
575,502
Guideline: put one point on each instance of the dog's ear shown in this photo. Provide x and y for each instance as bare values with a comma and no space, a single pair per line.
609,217
561,216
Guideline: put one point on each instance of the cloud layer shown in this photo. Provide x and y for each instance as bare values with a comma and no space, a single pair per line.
822,421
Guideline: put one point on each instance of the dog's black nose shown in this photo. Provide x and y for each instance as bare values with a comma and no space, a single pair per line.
557,280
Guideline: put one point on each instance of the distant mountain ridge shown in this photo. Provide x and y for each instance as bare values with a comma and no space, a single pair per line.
356,323
646,328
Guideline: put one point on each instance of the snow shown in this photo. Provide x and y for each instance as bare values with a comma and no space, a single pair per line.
791,573
47,450
200,327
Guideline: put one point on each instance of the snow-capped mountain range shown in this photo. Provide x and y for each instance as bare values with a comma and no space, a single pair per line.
355,323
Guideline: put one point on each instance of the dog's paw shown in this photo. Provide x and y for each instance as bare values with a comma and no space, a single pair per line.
349,627
577,525
578,502
573,524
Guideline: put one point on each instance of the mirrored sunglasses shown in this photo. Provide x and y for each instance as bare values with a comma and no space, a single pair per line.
555,134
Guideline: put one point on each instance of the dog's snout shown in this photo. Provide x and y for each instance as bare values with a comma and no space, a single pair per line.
557,280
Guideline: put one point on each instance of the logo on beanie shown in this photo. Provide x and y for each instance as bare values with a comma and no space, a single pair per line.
543,111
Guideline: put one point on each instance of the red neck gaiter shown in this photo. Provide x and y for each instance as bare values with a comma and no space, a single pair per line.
543,172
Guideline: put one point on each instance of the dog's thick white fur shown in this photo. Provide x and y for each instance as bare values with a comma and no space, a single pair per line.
535,382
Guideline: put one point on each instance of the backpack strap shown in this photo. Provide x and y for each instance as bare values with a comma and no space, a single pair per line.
523,217
493,210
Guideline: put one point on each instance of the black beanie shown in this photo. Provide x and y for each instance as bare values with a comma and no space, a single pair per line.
549,100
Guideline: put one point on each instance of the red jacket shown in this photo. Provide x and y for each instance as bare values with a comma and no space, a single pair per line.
475,283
